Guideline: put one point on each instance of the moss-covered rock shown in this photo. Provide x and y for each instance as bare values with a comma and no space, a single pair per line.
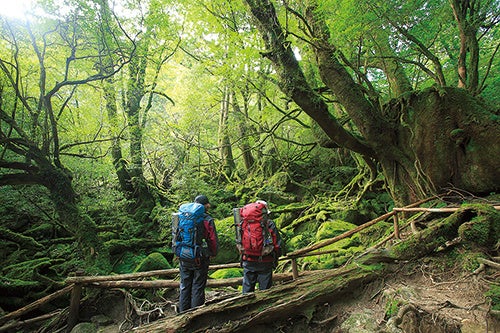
154,261
227,273
342,251
128,262
483,229
334,228
227,246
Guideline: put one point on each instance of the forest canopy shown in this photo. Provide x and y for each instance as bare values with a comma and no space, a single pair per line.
112,113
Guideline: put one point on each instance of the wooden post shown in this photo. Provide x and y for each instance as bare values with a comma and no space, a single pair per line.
74,305
295,271
396,226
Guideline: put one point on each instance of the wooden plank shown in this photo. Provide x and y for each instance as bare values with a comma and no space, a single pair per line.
10,327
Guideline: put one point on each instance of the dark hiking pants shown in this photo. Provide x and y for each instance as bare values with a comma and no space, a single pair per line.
193,282
257,272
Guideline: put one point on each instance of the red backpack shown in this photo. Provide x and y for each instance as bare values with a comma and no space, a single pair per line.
253,235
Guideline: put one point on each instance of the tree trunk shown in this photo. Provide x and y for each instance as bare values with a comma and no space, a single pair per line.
119,163
62,194
467,15
424,142
226,152
243,131
143,198
245,313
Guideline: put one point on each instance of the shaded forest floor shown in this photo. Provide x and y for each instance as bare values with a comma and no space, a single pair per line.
442,289
428,295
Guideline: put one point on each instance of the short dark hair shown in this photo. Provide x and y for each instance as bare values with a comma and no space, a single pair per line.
201,199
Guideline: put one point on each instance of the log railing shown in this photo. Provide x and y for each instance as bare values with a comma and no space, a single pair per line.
76,283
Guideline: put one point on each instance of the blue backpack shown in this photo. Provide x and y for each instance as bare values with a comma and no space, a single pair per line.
187,226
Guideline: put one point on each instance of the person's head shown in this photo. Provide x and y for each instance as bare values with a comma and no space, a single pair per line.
202,199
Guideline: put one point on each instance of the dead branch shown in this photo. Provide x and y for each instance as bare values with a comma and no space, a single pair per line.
489,263
16,324
35,304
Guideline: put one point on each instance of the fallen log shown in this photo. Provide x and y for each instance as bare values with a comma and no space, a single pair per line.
34,305
281,301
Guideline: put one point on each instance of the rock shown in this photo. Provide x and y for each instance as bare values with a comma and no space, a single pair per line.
85,327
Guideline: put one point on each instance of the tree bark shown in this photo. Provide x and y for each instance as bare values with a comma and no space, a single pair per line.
425,141
243,130
226,152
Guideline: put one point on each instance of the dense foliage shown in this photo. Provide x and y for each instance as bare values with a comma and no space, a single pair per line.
112,113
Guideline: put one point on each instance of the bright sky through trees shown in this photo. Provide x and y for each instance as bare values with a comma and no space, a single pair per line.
15,8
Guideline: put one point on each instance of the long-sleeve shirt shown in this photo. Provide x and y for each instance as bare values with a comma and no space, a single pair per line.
210,236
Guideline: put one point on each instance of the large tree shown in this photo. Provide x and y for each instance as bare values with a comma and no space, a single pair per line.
42,70
393,76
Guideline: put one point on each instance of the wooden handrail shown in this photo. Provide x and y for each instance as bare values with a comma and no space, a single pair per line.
433,210
139,275
355,230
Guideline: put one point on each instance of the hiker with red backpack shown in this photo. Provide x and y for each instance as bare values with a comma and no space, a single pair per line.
194,241
259,243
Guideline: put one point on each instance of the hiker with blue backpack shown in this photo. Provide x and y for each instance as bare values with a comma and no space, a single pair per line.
194,242
259,244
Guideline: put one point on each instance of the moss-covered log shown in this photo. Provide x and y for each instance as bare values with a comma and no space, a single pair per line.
297,298
481,223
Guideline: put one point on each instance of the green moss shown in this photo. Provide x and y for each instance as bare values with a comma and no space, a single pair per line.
25,270
391,308
331,229
494,295
297,242
375,233
476,231
469,260
484,228
322,216
85,328
227,246
154,261
7,283
127,262
227,273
